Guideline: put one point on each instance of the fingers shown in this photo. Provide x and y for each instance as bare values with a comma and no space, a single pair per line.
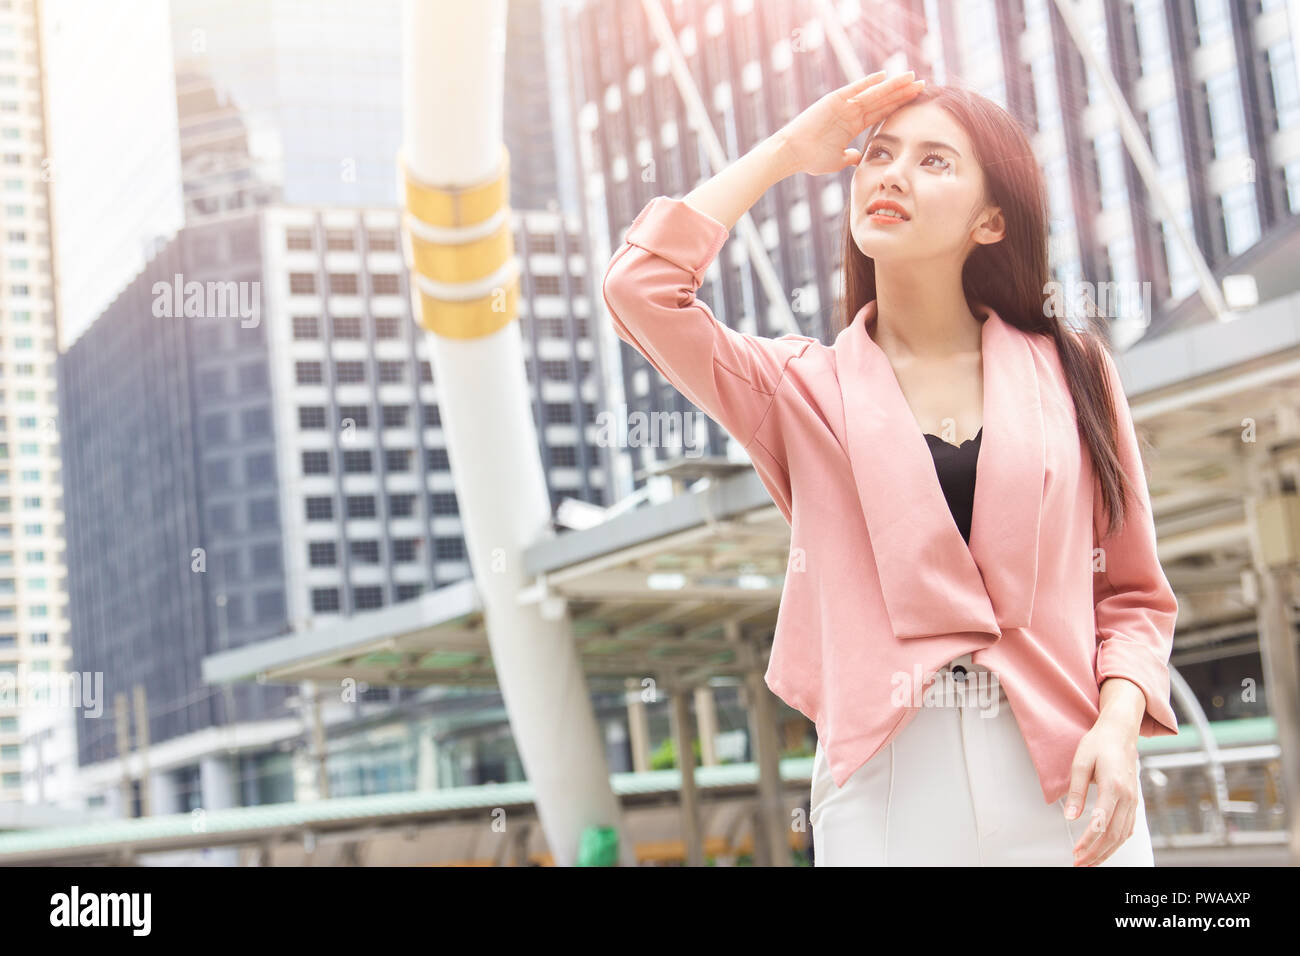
857,86
1114,818
905,84
1080,777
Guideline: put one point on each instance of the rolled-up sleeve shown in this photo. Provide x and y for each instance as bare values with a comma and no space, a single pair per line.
1135,606
649,289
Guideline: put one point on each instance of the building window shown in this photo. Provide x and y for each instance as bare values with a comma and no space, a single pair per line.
368,597
308,373
322,554
259,468
302,283
392,373
252,377
315,463
395,416
382,240
215,429
443,503
449,549
365,552
431,415
343,283
269,606
361,506
358,415
556,370
298,240
397,459
320,509
255,422
356,462
385,283
558,413
306,327
407,592
311,416
387,327
347,327
212,383
340,240
435,459
401,506
264,513
218,473
406,550
324,600
266,558
349,373
426,372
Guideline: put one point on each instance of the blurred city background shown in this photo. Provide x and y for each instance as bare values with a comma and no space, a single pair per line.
228,517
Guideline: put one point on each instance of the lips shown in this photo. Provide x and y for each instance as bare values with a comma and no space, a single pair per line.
886,207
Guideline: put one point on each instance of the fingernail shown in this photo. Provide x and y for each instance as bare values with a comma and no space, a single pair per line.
1071,812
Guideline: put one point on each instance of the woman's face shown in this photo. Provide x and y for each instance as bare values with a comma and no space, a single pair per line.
922,160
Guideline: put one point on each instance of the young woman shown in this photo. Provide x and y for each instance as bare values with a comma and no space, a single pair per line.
963,481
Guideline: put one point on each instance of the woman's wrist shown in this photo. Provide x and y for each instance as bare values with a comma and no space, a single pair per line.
729,194
783,164
1123,705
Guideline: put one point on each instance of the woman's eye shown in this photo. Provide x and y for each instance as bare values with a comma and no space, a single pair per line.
871,153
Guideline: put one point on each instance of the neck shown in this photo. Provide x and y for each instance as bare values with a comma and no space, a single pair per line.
921,315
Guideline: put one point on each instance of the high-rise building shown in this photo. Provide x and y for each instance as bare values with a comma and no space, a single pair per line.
255,448
1212,84
33,622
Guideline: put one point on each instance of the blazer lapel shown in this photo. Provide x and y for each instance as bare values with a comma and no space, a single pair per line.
933,583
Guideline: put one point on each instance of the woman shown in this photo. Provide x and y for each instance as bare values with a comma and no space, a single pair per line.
1036,590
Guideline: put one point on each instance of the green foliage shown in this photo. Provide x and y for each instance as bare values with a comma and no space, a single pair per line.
665,756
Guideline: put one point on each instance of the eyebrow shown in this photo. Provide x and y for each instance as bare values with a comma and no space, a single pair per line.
924,144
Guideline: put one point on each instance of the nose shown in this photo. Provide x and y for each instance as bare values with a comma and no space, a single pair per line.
891,178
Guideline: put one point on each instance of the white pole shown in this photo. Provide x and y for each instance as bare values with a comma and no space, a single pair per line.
451,169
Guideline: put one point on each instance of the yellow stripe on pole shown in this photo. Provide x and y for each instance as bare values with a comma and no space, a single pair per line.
472,318
453,206
465,262
458,263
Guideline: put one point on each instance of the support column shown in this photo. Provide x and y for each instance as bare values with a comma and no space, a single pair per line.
771,829
1273,520
219,790
690,803
426,766
706,716
638,726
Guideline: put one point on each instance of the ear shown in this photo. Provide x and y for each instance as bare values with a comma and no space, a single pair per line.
992,228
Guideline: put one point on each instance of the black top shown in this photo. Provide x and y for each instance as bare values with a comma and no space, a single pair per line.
955,465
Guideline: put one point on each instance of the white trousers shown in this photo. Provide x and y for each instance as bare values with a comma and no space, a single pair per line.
955,787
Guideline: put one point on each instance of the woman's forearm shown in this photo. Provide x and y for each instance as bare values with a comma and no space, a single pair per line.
729,193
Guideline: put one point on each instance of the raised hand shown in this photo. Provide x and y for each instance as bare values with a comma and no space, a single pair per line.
817,140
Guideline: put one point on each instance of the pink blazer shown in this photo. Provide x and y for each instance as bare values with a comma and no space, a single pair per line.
881,590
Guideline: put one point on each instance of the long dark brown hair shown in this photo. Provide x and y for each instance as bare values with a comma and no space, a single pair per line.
1011,276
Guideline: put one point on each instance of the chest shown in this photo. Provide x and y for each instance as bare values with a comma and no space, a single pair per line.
945,397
